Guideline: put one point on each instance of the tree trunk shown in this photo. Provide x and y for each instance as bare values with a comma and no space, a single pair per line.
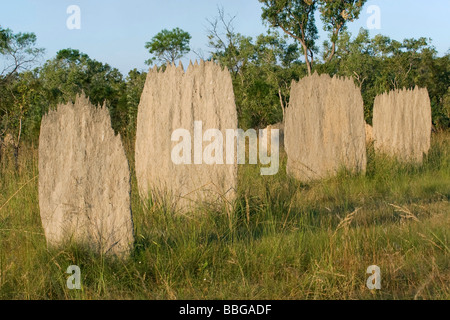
333,45
308,64
303,43
283,108
333,51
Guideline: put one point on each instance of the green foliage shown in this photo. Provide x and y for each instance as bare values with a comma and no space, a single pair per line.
283,240
335,16
446,108
72,72
382,64
135,82
3,39
17,52
169,46
19,92
295,18
437,81
24,110
262,70
264,87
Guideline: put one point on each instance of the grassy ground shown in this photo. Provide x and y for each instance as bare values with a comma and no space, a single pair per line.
285,240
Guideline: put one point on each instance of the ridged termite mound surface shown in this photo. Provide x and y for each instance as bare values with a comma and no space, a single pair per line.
84,180
324,128
175,100
402,124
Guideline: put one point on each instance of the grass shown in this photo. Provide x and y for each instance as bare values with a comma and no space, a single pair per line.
284,240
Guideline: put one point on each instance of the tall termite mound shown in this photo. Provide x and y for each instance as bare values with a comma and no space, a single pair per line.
172,100
84,180
324,128
402,124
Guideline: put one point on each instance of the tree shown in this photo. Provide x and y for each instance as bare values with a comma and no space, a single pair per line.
278,64
335,14
168,46
3,38
356,59
72,72
381,64
445,116
17,52
23,111
295,18
135,82
230,49
262,70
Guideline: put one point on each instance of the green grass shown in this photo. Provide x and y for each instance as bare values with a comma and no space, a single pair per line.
284,240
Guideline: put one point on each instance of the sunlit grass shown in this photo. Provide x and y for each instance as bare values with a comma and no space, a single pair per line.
284,240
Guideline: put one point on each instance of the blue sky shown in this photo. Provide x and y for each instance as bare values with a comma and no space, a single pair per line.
115,31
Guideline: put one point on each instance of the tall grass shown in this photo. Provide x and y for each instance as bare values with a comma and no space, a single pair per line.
284,240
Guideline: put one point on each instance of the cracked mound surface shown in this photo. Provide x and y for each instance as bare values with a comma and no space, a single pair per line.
324,128
175,99
402,124
84,180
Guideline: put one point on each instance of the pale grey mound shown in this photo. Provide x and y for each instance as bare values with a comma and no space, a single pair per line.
84,180
8,141
324,128
369,134
278,126
172,100
402,124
